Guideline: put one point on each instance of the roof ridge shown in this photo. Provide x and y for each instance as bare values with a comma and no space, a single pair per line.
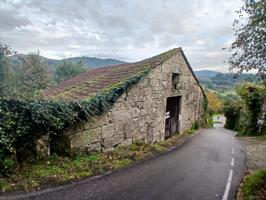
112,74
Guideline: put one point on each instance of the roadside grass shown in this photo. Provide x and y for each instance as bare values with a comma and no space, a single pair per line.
192,131
58,170
256,137
254,186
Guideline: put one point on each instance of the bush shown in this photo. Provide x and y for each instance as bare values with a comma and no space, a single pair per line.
232,114
243,115
6,163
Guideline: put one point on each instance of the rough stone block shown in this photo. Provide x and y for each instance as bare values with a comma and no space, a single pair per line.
93,147
43,147
166,68
125,142
119,127
119,115
108,131
86,137
112,142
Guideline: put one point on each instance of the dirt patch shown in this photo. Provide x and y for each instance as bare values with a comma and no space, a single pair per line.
256,152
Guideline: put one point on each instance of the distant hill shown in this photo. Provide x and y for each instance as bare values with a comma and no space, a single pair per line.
89,62
221,81
206,73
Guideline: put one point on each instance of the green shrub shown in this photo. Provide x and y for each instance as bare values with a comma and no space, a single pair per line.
243,115
232,114
6,162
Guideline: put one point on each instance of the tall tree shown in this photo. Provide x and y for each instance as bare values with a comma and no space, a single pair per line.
7,76
68,70
35,74
249,48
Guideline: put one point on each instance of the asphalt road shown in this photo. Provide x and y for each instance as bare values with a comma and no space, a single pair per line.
208,166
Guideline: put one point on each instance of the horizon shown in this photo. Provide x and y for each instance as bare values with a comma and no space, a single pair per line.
60,59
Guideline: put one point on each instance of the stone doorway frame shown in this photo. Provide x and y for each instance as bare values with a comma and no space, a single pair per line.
172,115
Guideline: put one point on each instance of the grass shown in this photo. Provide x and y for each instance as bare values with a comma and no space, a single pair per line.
58,170
254,186
192,131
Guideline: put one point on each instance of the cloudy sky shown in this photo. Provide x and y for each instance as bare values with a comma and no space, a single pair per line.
129,30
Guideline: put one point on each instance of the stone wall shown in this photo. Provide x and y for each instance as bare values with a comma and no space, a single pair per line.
140,112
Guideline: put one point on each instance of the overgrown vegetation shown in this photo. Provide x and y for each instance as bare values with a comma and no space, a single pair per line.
57,170
254,186
25,77
23,122
22,81
243,115
214,103
68,70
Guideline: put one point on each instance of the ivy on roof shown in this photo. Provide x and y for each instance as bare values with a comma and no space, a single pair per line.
24,122
89,83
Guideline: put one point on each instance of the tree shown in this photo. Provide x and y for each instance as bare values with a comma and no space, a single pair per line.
7,76
249,48
214,103
68,70
35,75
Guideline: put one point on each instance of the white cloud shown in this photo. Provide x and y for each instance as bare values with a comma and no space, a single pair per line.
130,30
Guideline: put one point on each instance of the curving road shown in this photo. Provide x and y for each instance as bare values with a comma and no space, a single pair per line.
208,166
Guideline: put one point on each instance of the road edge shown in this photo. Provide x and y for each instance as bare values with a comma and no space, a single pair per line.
20,195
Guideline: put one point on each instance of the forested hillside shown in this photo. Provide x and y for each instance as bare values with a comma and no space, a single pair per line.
218,81
88,62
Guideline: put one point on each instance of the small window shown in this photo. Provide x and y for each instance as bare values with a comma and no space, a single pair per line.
175,77
175,80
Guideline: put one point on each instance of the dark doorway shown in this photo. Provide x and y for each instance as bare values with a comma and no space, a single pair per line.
171,116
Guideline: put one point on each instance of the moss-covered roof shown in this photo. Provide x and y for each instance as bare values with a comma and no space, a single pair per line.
88,84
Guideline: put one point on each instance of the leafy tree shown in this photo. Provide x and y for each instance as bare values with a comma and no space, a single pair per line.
215,104
249,48
68,70
35,75
6,72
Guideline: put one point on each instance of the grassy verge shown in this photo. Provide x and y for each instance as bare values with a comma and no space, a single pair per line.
254,186
58,170
192,131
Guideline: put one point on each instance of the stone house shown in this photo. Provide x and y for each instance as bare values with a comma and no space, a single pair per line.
168,100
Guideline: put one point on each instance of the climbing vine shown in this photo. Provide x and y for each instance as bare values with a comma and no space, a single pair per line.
22,123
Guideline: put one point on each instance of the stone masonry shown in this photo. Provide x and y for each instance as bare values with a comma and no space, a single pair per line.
139,114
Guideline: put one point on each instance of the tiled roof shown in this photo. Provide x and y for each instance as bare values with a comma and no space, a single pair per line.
87,84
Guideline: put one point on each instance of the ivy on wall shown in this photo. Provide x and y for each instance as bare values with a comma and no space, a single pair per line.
22,123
